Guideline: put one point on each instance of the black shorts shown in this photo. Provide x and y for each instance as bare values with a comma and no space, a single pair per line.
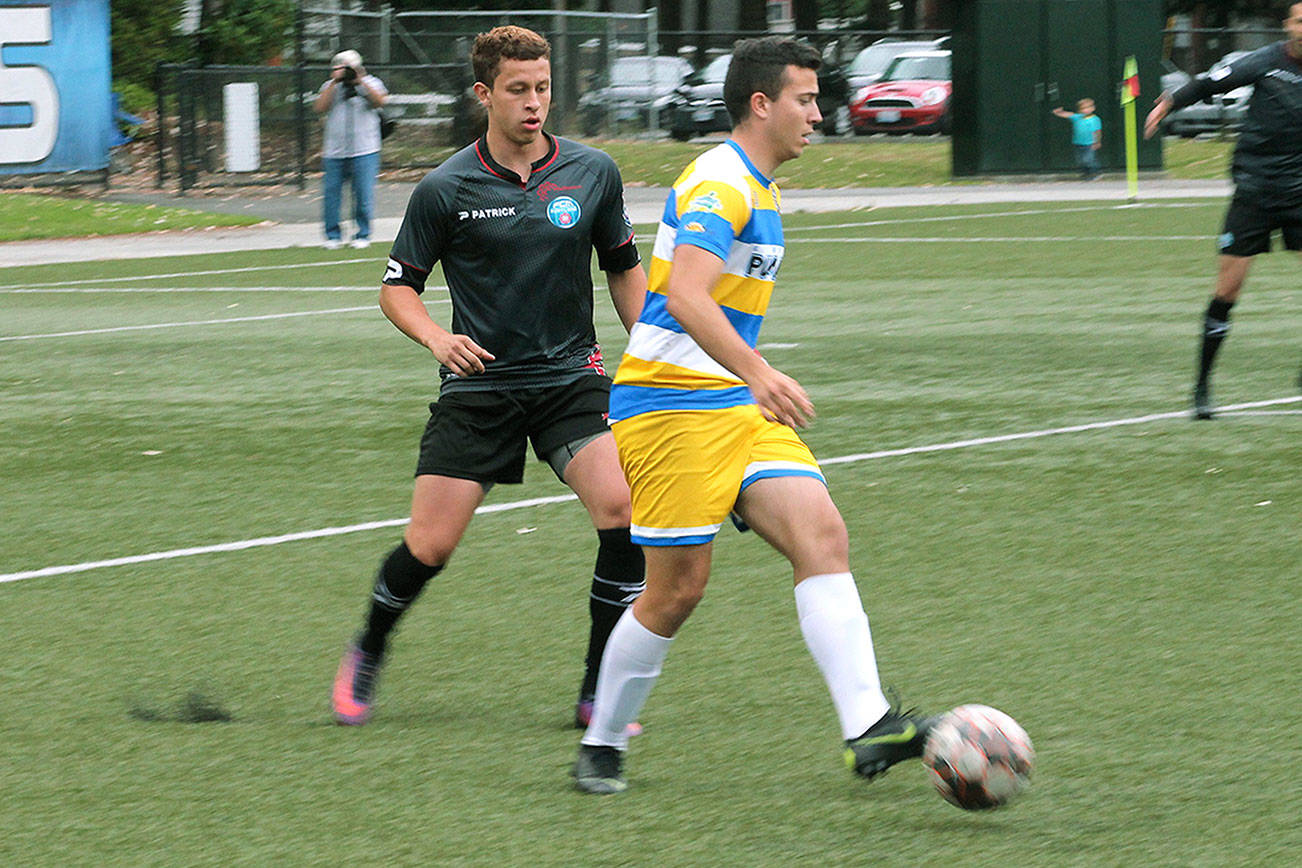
481,435
1249,225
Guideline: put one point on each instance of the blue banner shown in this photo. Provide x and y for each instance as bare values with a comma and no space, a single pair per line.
55,106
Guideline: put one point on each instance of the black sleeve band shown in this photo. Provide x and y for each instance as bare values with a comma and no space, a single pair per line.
622,258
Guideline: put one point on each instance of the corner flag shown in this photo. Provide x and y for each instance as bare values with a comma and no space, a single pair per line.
1130,90
1130,87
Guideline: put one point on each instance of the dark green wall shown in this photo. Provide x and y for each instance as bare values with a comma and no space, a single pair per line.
1015,60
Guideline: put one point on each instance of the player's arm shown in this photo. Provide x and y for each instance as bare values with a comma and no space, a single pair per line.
402,305
1061,113
627,292
694,273
1244,71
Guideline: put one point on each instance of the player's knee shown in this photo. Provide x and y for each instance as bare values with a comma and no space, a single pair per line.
610,512
829,542
433,550
683,600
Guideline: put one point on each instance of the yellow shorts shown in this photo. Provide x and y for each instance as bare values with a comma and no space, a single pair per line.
686,468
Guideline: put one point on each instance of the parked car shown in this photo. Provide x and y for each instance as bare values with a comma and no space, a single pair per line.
1222,111
698,107
869,64
636,87
912,96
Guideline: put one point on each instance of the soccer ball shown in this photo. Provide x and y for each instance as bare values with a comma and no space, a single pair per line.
978,757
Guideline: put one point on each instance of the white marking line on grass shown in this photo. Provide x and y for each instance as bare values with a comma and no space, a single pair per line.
262,541
168,325
565,498
195,273
951,217
181,290
1027,435
1017,239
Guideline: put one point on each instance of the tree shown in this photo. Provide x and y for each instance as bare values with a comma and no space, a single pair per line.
244,31
142,35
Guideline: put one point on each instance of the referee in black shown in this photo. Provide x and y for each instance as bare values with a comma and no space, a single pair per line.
514,218
1267,173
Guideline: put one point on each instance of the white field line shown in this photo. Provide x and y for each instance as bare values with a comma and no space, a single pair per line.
1015,239
175,290
198,322
168,325
1023,213
565,498
191,273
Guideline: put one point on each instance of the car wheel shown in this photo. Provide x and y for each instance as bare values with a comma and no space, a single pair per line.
680,135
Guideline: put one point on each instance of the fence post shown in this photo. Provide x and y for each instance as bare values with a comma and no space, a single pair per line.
160,134
300,86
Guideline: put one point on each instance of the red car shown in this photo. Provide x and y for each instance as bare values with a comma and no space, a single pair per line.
912,96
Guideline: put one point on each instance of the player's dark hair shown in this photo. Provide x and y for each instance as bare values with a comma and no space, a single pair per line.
507,42
760,65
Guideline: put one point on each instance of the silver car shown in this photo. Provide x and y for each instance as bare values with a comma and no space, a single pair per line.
1222,111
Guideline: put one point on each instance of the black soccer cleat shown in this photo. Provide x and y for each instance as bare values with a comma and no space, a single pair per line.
599,770
1202,400
898,736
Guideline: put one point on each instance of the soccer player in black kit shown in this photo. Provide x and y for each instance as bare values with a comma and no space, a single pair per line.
514,218
1267,174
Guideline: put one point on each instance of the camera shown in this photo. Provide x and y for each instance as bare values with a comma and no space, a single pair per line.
350,74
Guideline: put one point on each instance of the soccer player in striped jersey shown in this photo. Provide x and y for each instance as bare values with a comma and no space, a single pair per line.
704,428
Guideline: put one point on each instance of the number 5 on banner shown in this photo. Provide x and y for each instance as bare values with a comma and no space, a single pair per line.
30,85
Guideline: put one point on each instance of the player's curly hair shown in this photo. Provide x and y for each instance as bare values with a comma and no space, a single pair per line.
761,65
509,42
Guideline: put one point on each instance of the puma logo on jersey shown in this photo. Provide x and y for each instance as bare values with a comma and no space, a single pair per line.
485,213
393,271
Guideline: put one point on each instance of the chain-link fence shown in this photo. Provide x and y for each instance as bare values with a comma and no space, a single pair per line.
204,135
614,75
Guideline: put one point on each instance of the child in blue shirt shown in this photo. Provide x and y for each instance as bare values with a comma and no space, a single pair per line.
1086,136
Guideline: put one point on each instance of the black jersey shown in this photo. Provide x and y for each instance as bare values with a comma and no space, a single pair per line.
517,256
1268,156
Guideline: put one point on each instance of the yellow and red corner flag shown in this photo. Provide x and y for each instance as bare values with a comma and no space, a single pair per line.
1130,87
1129,91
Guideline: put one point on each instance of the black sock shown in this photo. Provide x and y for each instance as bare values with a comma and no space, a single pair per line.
399,582
1216,325
616,582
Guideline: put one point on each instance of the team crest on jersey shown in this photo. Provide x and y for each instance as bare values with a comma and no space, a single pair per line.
709,203
693,227
564,212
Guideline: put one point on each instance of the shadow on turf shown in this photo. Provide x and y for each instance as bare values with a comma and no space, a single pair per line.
195,707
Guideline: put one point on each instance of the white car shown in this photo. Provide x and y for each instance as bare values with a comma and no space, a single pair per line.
1222,111
636,87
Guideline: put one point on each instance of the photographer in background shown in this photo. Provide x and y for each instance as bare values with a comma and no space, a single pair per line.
350,100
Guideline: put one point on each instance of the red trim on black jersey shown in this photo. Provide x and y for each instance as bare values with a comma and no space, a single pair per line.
410,265
556,152
485,164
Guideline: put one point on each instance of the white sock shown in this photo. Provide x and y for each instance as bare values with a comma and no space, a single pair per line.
836,631
629,668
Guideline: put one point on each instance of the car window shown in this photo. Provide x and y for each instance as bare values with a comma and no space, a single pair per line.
906,68
875,58
668,71
716,70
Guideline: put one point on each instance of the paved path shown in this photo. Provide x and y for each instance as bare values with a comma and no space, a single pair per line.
293,222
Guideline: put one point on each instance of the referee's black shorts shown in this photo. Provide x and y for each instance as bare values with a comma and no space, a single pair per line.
1249,225
481,435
